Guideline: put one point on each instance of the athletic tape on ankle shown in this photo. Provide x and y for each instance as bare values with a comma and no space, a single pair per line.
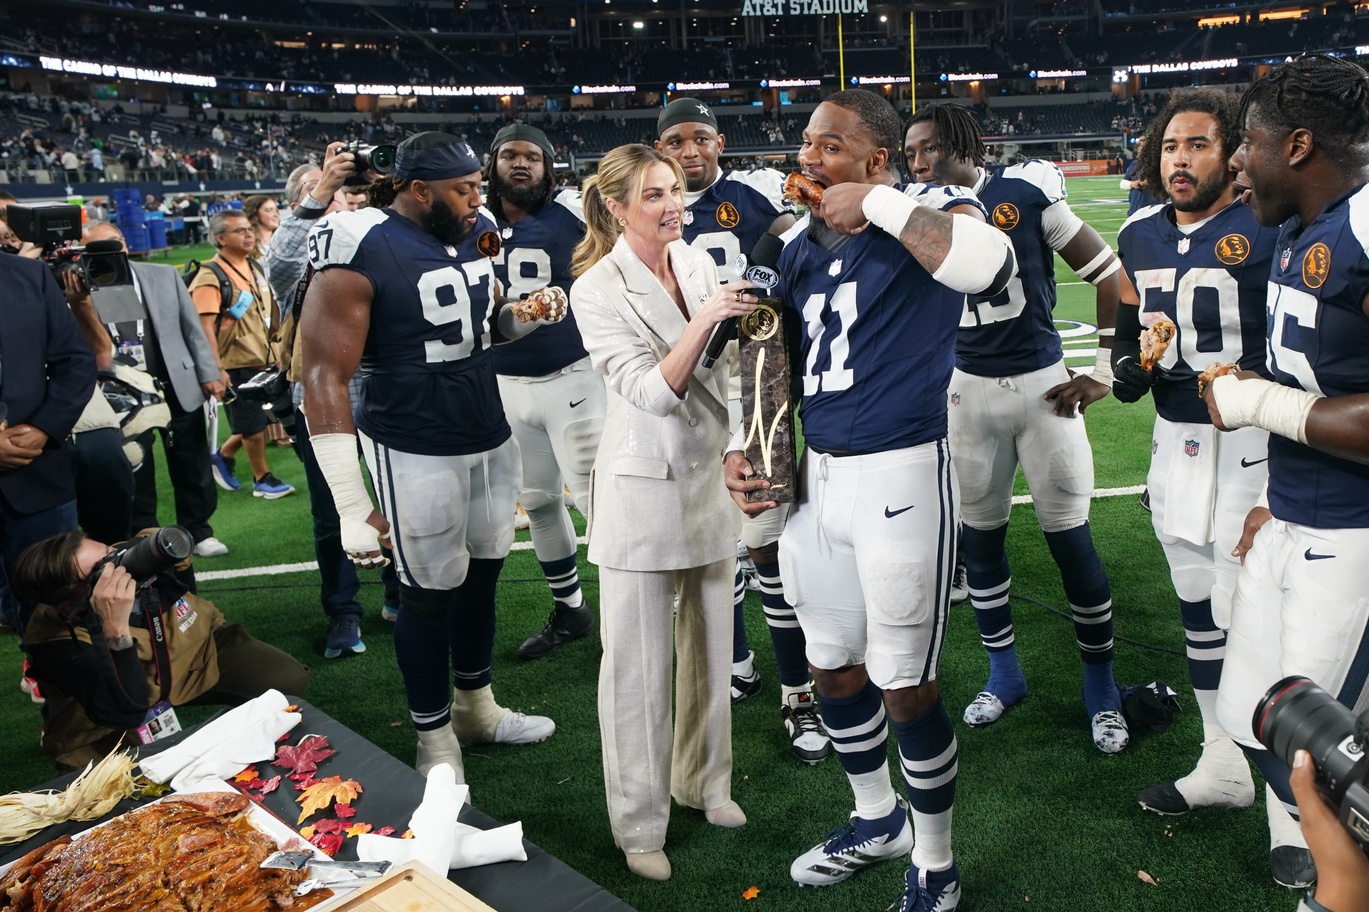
337,460
886,208
1261,403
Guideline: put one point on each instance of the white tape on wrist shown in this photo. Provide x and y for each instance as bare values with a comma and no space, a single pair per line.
337,460
1261,403
886,208
1102,368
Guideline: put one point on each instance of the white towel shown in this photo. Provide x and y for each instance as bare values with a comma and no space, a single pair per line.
164,766
1191,486
439,841
230,757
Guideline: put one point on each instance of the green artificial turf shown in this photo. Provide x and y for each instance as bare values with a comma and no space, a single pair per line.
1043,820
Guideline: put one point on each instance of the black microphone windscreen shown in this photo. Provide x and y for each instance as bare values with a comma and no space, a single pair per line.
113,245
767,251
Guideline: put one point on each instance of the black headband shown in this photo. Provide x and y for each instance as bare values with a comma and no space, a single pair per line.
424,156
684,110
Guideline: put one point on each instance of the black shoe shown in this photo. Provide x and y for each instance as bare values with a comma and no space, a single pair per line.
1292,867
1163,799
1145,500
565,625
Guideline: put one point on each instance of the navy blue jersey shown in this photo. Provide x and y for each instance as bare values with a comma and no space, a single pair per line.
535,252
1013,332
1211,284
1318,337
878,345
427,371
729,217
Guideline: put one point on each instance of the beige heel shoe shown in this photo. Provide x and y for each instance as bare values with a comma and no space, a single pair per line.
650,865
726,815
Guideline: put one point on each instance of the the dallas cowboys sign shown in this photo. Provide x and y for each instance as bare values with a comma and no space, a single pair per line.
803,7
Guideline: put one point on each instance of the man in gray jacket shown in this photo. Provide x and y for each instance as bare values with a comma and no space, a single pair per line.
169,344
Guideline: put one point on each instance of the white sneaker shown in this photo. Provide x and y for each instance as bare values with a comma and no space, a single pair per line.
1110,734
516,728
858,844
985,710
210,547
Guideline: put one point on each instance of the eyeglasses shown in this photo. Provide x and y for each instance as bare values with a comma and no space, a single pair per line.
237,231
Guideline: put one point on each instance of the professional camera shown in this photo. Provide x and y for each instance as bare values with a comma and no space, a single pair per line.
147,557
1296,715
376,159
56,227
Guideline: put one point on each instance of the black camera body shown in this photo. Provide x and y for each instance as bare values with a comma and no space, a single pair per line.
1296,714
56,227
378,159
147,557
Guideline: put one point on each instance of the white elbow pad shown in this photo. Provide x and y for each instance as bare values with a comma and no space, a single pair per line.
980,260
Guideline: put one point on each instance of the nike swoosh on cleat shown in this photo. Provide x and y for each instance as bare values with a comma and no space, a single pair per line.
890,514
574,404
1310,556
1245,464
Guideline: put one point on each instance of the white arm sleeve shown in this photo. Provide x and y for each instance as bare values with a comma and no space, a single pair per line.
1059,224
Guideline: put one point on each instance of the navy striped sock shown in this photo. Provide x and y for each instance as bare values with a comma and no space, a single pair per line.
929,756
422,623
564,580
740,648
470,625
786,636
990,579
860,733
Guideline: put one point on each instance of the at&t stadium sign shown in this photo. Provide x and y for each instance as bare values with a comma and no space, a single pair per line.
803,7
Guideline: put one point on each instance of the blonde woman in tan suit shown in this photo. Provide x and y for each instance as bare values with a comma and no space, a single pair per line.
661,519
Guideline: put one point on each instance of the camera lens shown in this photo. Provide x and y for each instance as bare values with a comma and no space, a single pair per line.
1296,715
383,159
151,555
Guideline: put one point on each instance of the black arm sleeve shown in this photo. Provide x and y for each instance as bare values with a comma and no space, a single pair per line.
110,686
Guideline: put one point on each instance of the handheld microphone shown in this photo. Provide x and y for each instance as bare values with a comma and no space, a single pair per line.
761,273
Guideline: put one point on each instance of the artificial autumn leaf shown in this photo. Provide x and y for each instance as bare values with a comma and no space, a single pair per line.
304,782
246,775
1146,878
328,842
408,834
284,736
318,796
751,892
293,707
305,756
385,831
270,785
254,783
330,825
357,829
344,810
308,832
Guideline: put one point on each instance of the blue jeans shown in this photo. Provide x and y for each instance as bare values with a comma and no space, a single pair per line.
18,531
338,582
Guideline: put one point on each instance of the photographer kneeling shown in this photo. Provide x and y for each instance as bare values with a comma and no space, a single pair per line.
116,651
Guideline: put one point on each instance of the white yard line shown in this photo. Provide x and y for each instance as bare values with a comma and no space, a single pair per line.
209,576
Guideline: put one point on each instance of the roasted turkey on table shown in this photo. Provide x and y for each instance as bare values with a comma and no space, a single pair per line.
187,853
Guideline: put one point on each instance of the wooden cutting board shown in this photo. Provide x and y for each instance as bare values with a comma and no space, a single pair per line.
411,888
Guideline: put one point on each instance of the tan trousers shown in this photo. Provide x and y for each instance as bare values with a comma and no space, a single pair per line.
643,765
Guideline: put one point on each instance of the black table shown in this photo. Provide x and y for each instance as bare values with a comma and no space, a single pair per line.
391,793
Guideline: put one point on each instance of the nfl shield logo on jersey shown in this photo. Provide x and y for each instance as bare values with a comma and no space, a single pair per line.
1183,245
955,398
1190,448
689,217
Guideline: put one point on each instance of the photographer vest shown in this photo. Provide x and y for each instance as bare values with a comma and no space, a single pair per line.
188,650
243,342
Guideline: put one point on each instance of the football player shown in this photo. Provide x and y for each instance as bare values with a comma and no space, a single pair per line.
875,278
1200,261
726,213
391,296
553,398
1300,606
1013,401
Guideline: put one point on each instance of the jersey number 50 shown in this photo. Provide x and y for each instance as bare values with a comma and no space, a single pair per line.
1151,283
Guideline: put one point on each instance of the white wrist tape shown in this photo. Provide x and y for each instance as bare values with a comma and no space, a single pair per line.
978,253
1125,183
886,208
337,460
1260,403
1110,331
509,326
1102,368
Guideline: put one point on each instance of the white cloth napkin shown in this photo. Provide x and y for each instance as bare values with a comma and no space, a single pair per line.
1192,481
439,840
225,747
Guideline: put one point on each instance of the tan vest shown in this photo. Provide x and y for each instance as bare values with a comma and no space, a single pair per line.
71,738
244,342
